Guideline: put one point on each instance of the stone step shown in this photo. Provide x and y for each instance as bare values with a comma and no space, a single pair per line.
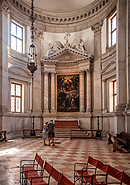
65,133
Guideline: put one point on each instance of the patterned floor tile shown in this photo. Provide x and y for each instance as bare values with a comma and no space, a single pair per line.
63,156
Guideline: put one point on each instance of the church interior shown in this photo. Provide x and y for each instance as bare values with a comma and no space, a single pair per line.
66,61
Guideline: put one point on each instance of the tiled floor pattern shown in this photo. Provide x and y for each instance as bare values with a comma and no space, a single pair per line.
62,156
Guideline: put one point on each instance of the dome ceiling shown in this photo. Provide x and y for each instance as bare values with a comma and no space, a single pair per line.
61,6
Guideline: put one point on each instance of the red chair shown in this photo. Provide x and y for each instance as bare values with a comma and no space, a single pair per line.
46,173
26,165
55,174
65,181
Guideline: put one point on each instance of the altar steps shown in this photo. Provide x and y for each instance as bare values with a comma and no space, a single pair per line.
65,133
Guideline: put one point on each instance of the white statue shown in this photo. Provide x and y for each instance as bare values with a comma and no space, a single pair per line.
66,36
54,48
75,44
78,45
81,46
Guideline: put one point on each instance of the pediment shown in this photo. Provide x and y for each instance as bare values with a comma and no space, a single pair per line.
67,55
20,71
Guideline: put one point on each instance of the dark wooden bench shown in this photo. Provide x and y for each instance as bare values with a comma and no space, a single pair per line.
120,144
124,138
27,133
112,139
94,172
3,136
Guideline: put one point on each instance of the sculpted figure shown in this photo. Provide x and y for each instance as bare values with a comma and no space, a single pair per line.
66,36
81,46
78,45
75,44
55,47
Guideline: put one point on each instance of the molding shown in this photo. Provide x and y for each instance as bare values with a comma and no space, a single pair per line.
73,21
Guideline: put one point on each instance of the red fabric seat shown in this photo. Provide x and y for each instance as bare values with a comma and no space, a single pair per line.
86,176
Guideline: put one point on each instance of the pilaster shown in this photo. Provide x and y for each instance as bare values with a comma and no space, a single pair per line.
53,95
88,90
119,119
46,110
97,67
4,107
127,109
82,91
104,96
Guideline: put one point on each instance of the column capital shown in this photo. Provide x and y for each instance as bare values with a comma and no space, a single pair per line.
97,27
53,72
46,72
81,72
88,70
5,6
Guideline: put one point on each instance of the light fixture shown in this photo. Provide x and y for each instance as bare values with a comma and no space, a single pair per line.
32,56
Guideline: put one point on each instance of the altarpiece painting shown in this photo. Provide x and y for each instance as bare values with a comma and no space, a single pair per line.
68,93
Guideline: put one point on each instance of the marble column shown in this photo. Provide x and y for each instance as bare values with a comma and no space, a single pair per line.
82,91
46,110
88,90
119,119
53,95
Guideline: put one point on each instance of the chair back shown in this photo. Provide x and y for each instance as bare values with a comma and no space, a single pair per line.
41,162
48,168
56,174
65,181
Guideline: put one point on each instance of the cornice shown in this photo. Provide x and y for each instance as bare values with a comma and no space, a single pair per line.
73,21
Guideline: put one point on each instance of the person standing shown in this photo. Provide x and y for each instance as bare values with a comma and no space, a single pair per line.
45,133
51,133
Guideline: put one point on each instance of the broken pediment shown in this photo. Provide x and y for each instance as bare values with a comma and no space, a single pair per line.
68,55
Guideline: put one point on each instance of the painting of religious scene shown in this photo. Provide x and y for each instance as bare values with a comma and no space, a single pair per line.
68,93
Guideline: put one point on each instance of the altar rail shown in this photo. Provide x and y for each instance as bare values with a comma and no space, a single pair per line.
3,136
66,124
27,133
88,134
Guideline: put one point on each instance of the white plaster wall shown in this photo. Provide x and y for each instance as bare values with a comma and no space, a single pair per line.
108,125
85,35
85,123
14,125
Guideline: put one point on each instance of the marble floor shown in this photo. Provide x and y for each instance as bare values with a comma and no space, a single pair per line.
62,156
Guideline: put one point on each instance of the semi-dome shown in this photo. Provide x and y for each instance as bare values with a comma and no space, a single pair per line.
60,5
